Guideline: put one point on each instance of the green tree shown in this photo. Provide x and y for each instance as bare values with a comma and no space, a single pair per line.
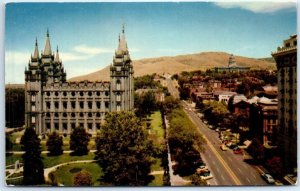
145,103
8,142
33,165
54,144
170,103
197,180
79,141
124,151
83,178
14,107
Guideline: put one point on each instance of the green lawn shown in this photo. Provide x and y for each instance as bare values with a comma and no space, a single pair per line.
11,159
156,125
50,161
65,175
158,180
157,165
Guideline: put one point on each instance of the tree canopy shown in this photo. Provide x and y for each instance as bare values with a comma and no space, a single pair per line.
33,165
79,141
124,151
83,178
54,144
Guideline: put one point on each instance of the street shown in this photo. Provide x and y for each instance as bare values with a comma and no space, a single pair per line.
226,167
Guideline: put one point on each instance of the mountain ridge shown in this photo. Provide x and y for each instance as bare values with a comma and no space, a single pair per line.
179,63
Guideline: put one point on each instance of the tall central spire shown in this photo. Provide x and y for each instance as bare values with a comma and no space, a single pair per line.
47,49
122,41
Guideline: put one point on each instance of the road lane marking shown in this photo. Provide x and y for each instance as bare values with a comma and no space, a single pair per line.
248,180
239,169
231,173
253,175
230,159
222,177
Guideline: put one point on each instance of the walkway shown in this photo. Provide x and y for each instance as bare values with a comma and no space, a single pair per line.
53,168
175,180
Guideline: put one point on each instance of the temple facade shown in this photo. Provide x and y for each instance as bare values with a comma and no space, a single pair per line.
53,104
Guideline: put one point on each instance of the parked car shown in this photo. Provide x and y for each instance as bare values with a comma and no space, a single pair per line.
223,147
238,151
268,178
206,176
202,169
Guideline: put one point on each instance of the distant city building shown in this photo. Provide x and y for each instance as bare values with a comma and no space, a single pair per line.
232,66
286,62
223,96
263,119
53,104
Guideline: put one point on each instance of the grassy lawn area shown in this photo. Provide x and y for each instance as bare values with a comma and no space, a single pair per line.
55,160
11,159
50,161
158,180
65,175
157,165
156,124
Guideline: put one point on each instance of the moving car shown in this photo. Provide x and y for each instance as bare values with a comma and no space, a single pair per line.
202,169
268,178
223,147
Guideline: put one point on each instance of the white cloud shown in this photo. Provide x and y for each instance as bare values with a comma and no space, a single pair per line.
84,49
16,58
73,56
134,50
258,7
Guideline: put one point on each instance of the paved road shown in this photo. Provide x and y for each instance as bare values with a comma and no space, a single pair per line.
226,167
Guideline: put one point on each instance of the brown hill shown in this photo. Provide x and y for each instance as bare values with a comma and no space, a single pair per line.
177,64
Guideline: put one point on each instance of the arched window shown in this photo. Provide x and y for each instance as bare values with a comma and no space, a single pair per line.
118,85
118,107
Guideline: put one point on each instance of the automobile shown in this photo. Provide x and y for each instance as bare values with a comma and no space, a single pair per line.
223,147
202,169
206,176
268,178
238,151
228,144
236,148
233,146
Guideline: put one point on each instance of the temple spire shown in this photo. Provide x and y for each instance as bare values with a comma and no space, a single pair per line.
47,49
122,41
57,55
36,50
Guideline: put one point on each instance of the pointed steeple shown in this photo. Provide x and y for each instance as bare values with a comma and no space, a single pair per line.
122,41
57,55
47,49
36,50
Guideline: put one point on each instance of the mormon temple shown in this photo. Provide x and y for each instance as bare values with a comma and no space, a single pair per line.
53,104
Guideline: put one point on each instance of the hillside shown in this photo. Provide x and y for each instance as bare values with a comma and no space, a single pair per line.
177,64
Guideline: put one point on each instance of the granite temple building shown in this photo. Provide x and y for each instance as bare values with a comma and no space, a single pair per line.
53,104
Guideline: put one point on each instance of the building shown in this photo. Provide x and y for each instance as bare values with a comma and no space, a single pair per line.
53,104
286,62
232,66
223,96
263,120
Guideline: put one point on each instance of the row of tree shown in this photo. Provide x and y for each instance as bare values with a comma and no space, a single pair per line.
124,151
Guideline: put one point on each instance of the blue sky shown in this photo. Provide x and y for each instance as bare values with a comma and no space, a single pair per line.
87,33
